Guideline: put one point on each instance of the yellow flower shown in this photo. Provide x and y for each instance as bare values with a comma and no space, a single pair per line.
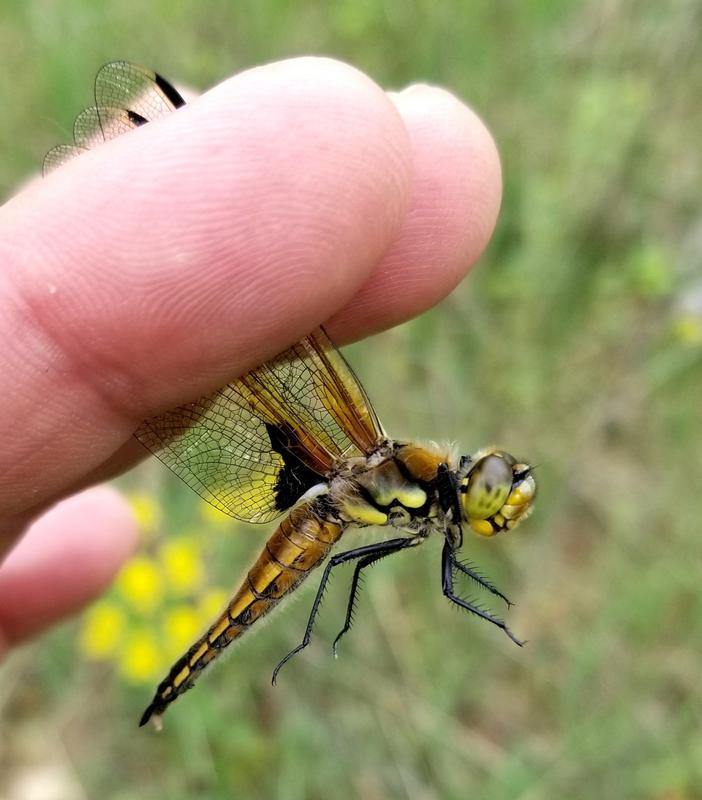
182,627
140,582
146,510
141,660
182,564
214,516
212,604
689,329
103,630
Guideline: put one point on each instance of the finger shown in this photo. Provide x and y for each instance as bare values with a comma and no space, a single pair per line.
66,559
455,200
163,263
456,190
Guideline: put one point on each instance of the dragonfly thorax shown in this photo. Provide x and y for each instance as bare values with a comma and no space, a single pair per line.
381,493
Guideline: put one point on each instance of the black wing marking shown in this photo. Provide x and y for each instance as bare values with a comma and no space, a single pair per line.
126,97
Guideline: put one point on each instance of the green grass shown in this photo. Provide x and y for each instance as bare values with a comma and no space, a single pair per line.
572,344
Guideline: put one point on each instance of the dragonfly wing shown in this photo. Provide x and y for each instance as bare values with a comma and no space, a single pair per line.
254,447
126,97
120,84
221,450
311,391
60,155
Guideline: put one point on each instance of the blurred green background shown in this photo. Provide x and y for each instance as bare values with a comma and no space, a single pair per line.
576,342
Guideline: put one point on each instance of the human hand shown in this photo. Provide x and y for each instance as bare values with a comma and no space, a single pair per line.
290,195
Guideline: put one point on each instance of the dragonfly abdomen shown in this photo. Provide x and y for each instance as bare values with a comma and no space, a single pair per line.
299,544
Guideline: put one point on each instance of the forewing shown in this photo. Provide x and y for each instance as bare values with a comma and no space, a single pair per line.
346,399
311,390
120,84
253,447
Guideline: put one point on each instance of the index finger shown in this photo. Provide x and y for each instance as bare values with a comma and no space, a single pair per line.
199,245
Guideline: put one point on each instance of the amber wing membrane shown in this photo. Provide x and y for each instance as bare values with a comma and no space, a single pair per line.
126,96
311,392
305,405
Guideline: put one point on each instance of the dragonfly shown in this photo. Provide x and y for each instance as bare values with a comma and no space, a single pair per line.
298,436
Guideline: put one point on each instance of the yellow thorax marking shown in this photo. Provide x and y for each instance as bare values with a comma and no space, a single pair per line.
364,513
386,485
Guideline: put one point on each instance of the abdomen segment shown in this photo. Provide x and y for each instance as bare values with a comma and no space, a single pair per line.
299,544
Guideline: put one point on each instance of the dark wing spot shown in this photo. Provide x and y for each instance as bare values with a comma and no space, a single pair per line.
170,91
137,119
296,477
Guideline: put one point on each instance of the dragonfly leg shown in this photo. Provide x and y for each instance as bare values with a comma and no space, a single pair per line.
379,549
391,546
478,578
448,564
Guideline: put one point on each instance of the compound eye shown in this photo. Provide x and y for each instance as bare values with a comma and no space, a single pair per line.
489,485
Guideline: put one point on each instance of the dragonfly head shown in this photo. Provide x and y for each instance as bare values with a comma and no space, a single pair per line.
496,491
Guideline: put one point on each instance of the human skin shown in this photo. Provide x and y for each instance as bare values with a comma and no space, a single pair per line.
290,195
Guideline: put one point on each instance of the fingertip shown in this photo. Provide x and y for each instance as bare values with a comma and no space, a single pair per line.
480,165
101,527
455,201
66,559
